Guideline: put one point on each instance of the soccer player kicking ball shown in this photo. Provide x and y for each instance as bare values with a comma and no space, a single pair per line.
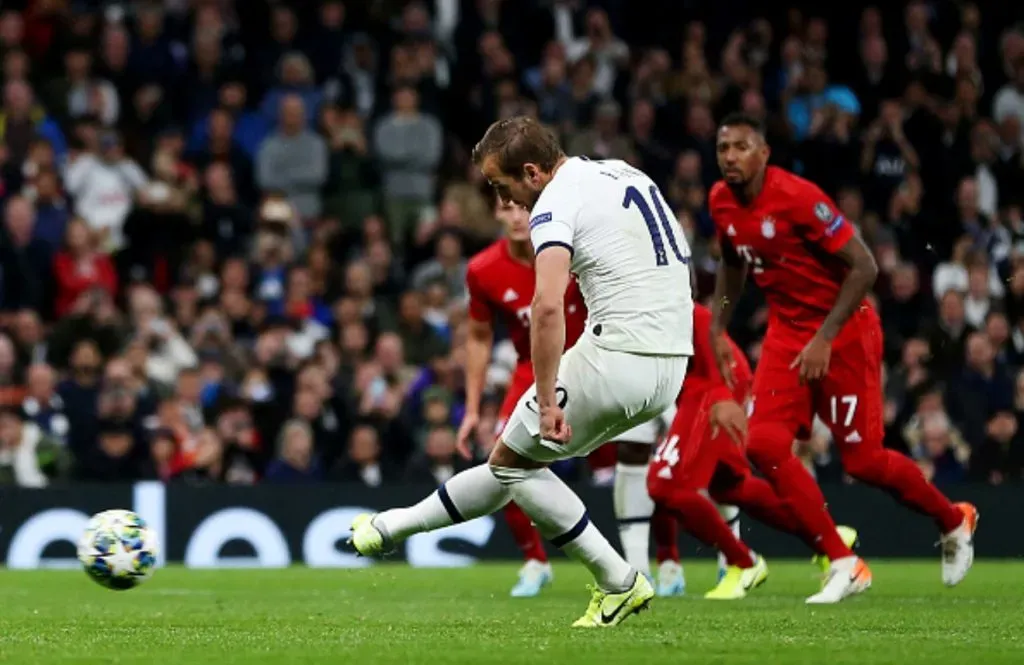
702,461
607,223
822,353
500,282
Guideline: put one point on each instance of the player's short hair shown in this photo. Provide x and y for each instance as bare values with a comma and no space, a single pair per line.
517,141
740,119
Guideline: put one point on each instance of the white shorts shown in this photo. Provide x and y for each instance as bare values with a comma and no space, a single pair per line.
645,433
604,393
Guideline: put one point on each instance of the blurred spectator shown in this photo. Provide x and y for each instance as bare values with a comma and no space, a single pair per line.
447,267
28,458
438,461
350,191
408,145
105,185
21,121
364,462
293,160
24,260
295,462
1009,100
604,141
939,448
295,79
81,273
169,353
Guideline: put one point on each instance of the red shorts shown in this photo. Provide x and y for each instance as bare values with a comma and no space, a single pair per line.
689,456
848,399
522,379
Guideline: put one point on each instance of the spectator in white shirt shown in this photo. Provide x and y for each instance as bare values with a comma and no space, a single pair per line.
104,186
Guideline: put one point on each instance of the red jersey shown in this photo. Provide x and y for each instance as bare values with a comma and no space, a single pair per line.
702,373
502,286
788,236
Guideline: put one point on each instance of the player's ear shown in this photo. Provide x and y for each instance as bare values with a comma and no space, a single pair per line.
531,174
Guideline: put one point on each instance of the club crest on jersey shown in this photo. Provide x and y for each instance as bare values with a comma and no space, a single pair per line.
768,227
542,218
823,211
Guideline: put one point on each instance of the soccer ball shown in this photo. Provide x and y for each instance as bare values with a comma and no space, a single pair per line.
118,550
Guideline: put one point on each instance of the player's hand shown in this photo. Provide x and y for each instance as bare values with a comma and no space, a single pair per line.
553,426
723,356
728,415
813,360
467,431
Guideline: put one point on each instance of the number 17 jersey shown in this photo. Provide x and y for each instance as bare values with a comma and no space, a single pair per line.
629,255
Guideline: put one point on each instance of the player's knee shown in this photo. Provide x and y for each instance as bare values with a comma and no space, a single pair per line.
674,496
868,466
503,457
634,454
658,490
769,446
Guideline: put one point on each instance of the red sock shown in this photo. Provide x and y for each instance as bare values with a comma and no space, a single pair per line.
701,518
663,526
794,484
755,497
525,533
897,474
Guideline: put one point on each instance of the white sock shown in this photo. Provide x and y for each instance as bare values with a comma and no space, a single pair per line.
731,515
467,495
633,509
561,517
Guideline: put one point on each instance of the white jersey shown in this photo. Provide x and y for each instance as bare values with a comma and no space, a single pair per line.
629,254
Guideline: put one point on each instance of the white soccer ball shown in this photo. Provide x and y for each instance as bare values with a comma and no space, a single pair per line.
118,550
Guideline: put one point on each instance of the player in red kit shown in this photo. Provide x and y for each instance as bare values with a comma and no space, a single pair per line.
822,353
500,281
702,456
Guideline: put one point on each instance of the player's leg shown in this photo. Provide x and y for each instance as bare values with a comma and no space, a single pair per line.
731,515
602,464
536,572
681,488
782,407
465,496
598,405
633,506
733,484
850,402
665,529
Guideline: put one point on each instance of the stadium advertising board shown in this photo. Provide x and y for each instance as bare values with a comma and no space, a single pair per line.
222,527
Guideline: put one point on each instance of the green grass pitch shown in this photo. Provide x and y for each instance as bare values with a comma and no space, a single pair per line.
395,614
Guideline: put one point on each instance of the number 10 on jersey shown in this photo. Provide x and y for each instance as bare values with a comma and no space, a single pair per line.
634,197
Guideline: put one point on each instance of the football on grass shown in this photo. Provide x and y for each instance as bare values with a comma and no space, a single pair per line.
118,550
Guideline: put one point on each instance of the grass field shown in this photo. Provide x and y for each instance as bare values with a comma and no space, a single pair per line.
394,614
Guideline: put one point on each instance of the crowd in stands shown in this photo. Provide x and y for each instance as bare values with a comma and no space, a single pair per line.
235,233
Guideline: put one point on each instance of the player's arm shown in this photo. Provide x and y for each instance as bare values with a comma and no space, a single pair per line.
479,343
726,413
547,324
552,235
859,280
729,281
818,221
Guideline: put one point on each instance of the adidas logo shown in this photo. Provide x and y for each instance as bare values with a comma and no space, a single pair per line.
509,296
853,437
731,230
